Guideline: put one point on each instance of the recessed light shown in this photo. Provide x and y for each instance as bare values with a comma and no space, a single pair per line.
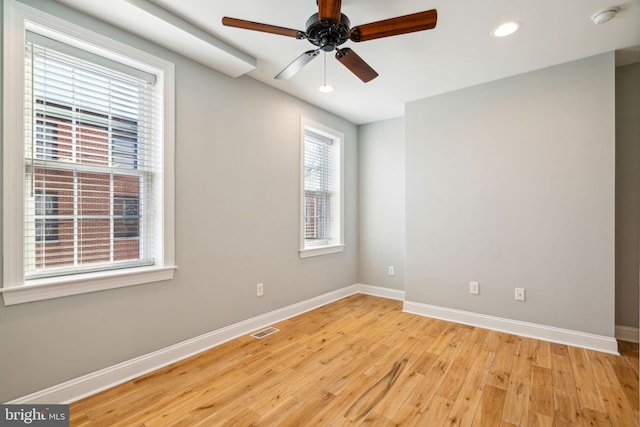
506,29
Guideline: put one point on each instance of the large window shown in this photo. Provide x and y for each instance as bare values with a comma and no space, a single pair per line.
95,206
321,210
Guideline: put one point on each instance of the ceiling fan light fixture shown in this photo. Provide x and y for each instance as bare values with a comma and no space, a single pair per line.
325,88
506,29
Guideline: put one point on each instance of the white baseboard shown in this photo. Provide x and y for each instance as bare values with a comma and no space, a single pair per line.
380,292
627,333
86,385
516,327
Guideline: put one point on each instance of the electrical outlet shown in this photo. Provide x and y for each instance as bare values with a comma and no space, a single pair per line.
519,294
474,288
260,289
392,270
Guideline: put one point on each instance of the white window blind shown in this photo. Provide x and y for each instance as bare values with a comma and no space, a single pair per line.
320,181
90,161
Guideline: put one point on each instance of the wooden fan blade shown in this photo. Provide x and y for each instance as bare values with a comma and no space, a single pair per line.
297,64
357,65
395,26
265,28
329,9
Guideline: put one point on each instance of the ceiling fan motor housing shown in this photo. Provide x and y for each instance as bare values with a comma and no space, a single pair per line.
327,33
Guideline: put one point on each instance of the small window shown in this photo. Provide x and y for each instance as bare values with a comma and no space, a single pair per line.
321,211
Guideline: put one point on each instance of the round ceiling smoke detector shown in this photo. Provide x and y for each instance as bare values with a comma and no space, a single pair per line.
604,15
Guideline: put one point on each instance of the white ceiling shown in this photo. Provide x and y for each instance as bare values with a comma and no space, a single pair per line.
459,52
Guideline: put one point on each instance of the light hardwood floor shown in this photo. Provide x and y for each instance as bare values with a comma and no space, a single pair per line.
362,361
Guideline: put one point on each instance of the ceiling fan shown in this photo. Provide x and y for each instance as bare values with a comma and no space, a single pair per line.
329,28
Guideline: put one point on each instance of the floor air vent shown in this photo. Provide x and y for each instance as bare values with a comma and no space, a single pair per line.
263,333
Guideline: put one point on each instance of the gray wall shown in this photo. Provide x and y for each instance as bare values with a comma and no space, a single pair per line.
237,172
381,203
627,193
511,183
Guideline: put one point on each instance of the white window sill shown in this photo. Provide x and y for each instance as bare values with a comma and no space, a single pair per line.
57,287
320,250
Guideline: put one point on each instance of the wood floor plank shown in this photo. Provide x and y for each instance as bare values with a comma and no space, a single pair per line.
407,384
479,372
567,410
408,415
603,369
588,392
628,379
434,376
432,379
523,357
591,417
492,341
516,404
541,398
537,419
374,419
206,402
559,349
273,394
376,393
243,418
442,341
465,406
618,408
353,366
540,354
565,395
279,411
304,413
489,412
437,327
123,405
450,387
564,381
436,412
333,366
503,362
629,352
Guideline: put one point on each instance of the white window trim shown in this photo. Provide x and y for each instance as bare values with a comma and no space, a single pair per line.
339,138
17,18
